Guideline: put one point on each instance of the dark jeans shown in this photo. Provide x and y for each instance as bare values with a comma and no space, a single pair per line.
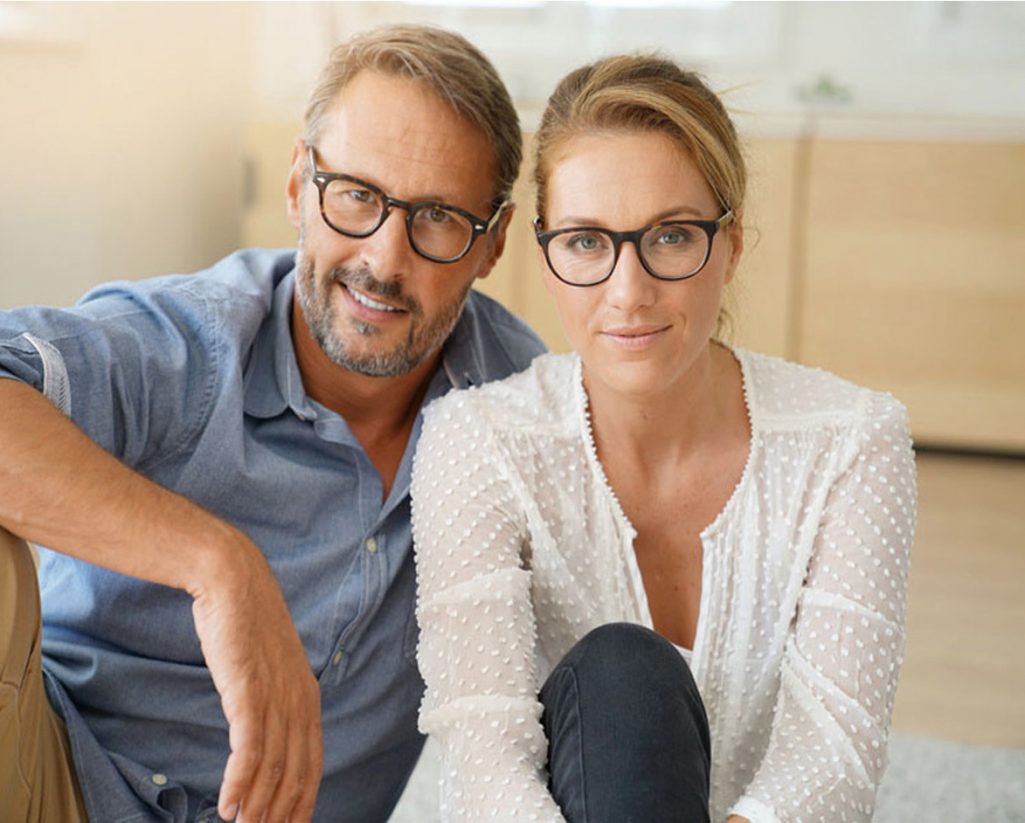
627,732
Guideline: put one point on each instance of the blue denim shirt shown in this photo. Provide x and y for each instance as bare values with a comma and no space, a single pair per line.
193,381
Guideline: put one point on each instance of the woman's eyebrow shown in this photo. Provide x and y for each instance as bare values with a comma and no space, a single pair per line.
578,220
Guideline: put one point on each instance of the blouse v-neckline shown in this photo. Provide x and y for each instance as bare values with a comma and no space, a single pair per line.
635,580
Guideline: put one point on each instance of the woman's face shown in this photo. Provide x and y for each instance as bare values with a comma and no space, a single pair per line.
636,334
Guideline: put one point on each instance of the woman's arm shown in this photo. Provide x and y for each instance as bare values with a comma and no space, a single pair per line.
827,749
477,631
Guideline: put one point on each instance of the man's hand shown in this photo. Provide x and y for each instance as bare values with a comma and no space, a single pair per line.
269,695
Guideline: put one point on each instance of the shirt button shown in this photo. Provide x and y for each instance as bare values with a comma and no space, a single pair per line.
338,657
159,779
372,545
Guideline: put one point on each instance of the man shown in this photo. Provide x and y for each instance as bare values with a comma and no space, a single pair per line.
220,467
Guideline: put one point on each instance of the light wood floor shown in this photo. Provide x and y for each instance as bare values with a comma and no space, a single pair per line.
964,672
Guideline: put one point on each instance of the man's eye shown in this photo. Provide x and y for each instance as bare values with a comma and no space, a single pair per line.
361,196
436,214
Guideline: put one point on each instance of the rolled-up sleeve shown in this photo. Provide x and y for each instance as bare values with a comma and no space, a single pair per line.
133,365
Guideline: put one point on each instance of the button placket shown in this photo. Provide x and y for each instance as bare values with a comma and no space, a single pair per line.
373,568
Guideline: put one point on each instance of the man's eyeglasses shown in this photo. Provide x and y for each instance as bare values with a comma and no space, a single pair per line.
437,231
673,250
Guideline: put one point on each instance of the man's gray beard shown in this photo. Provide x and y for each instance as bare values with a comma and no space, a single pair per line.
421,343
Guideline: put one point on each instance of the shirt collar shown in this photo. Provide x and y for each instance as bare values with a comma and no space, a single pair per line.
460,357
272,379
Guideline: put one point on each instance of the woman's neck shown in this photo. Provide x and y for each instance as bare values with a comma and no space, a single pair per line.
671,424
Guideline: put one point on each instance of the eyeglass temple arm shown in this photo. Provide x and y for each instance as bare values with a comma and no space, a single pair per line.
484,228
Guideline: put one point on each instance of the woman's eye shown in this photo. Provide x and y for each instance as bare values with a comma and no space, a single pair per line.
674,236
584,242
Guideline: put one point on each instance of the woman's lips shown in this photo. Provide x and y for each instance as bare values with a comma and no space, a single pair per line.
634,338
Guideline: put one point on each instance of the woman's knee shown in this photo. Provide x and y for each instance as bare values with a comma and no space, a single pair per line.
624,719
629,654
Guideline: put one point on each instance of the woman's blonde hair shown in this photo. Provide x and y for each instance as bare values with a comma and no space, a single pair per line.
646,92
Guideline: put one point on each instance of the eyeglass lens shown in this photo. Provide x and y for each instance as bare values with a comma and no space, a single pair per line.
434,230
587,256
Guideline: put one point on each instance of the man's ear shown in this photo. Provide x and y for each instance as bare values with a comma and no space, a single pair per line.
294,185
497,244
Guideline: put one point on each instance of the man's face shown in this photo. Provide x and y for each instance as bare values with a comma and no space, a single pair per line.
373,304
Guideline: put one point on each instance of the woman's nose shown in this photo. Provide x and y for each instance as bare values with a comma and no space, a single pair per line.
630,287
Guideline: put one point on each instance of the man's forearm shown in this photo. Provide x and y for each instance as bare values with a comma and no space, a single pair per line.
61,490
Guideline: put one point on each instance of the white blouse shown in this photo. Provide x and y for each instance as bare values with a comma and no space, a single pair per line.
522,548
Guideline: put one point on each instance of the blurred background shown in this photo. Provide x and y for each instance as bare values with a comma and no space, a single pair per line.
886,242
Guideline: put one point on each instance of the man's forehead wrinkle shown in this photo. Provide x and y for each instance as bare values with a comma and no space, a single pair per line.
410,168
427,154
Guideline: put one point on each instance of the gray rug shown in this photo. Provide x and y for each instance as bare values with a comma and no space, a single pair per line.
936,781
928,781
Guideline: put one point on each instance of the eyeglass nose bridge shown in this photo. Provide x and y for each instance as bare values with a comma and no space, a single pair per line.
387,204
618,239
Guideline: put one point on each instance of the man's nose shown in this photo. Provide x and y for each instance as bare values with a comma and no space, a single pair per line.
630,287
387,251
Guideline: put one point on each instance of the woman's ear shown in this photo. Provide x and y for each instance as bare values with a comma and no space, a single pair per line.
546,273
735,234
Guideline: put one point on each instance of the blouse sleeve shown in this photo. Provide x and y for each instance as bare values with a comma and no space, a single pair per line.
827,748
477,630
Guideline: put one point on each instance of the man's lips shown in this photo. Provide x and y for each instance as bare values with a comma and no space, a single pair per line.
370,304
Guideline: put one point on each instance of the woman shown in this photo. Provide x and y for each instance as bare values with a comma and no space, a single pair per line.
755,513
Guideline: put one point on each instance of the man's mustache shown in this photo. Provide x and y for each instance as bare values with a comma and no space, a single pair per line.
364,280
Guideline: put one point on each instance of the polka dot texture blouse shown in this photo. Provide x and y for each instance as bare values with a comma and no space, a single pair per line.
522,548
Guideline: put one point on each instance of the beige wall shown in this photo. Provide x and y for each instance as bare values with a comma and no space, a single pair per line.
128,129
896,264
121,146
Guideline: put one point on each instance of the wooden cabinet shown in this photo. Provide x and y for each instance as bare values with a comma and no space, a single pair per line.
913,280
898,264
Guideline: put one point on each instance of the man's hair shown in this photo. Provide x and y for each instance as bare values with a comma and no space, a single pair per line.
446,62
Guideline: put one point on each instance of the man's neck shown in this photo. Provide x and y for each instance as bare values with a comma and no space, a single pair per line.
380,411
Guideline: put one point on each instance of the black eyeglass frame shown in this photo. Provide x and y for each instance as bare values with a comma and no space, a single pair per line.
478,226
709,227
